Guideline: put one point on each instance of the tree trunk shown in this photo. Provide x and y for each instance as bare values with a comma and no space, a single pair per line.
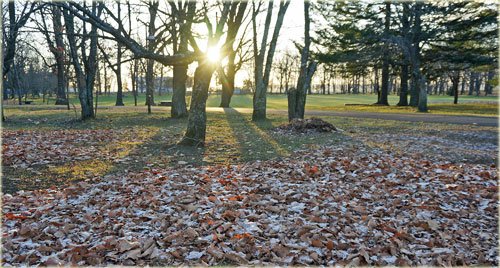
416,78
403,95
376,86
179,108
184,17
383,100
133,76
197,120
59,56
119,84
228,84
150,84
84,80
478,81
455,79
488,88
307,70
151,44
462,90
472,81
292,101
261,74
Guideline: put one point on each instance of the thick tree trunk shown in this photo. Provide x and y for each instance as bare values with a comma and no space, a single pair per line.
383,100
455,79
183,17
488,88
228,85
59,56
228,80
259,101
417,80
403,95
472,81
422,97
300,104
197,120
307,70
179,108
477,86
151,44
376,86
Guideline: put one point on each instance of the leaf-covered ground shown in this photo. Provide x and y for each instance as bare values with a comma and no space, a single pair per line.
117,191
329,206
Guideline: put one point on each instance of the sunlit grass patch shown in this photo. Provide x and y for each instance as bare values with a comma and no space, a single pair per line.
82,169
469,109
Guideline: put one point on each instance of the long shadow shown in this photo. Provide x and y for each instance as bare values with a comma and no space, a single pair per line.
161,151
254,143
153,150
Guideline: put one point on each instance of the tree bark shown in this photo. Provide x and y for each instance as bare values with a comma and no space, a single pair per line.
383,100
403,95
179,108
151,39
228,83
183,17
405,22
488,88
292,100
197,120
118,71
455,79
477,86
472,81
419,96
58,52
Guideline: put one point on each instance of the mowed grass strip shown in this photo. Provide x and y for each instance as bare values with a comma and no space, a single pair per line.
467,105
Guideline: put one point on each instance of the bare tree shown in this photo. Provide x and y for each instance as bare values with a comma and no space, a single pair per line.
85,75
297,98
10,35
57,48
183,15
262,69
196,128
233,24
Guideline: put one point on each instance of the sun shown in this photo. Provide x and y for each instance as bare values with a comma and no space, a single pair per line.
213,54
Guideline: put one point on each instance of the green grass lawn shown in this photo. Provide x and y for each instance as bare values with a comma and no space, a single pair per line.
468,105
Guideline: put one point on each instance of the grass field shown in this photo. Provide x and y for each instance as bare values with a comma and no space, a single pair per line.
468,105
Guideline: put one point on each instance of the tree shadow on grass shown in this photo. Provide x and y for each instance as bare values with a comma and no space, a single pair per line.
253,140
151,147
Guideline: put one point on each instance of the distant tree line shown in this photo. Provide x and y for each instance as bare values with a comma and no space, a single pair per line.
413,48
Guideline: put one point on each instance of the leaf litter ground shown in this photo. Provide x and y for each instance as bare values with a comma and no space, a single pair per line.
326,206
381,195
